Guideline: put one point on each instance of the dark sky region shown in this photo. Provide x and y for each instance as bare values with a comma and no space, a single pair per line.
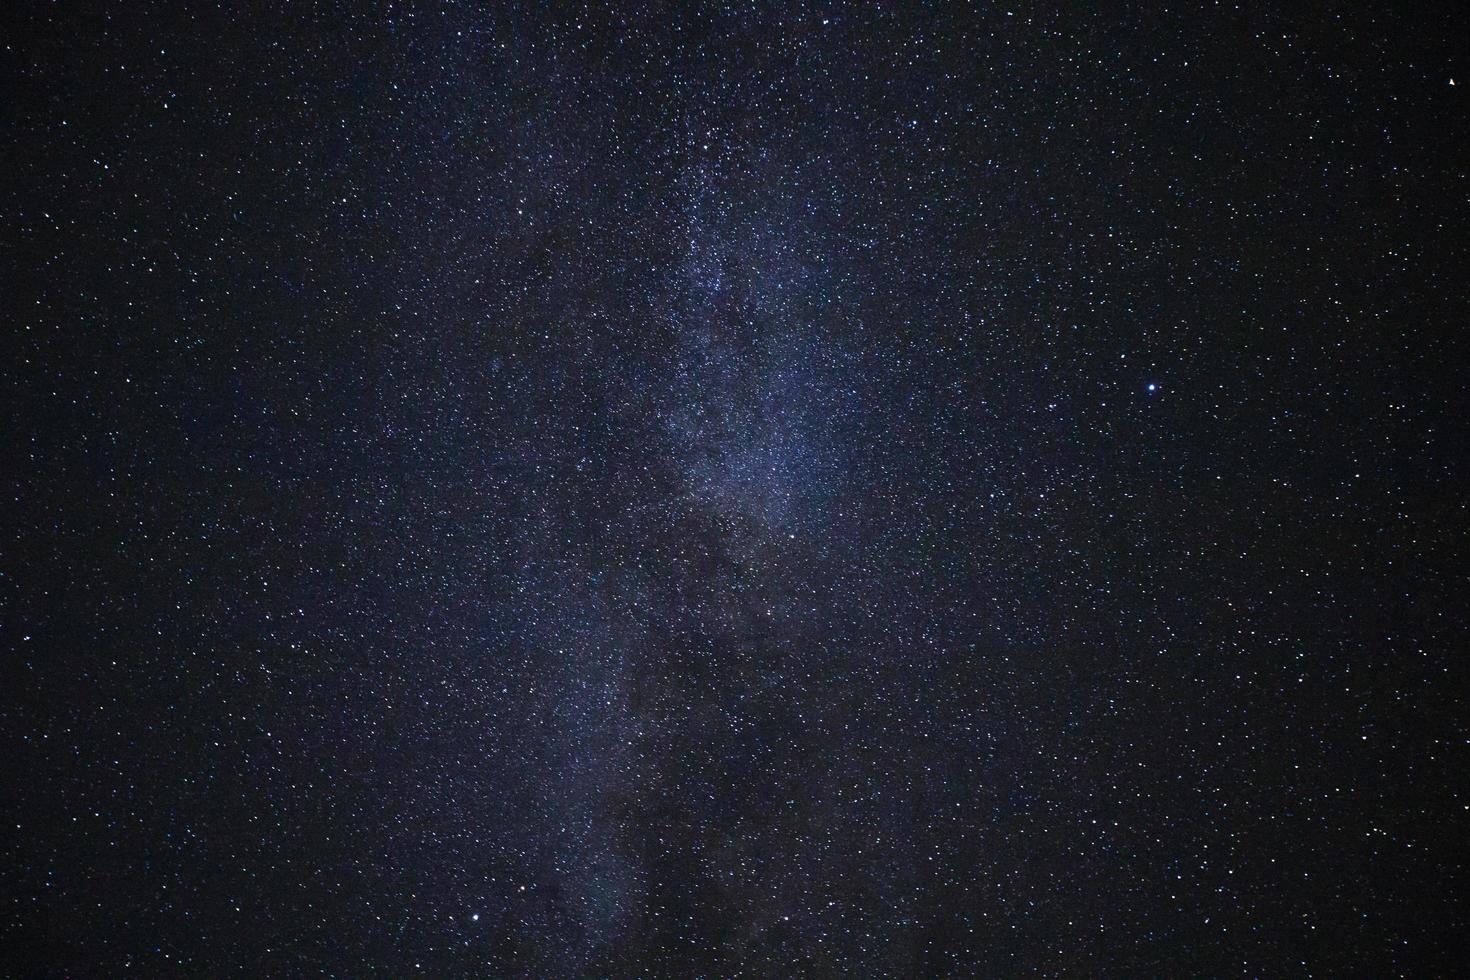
771,490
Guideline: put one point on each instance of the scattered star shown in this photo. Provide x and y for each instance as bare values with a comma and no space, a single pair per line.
670,480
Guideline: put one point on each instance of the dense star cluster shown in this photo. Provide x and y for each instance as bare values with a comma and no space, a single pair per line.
766,490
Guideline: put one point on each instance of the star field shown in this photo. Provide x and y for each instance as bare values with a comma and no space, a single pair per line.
748,490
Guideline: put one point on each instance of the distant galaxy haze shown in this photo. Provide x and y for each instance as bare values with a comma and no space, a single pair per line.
767,489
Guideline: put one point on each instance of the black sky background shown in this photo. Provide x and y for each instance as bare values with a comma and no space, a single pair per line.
777,490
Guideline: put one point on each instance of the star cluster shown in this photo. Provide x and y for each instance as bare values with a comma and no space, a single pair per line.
766,490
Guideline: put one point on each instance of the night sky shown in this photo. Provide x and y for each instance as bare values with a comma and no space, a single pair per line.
766,490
